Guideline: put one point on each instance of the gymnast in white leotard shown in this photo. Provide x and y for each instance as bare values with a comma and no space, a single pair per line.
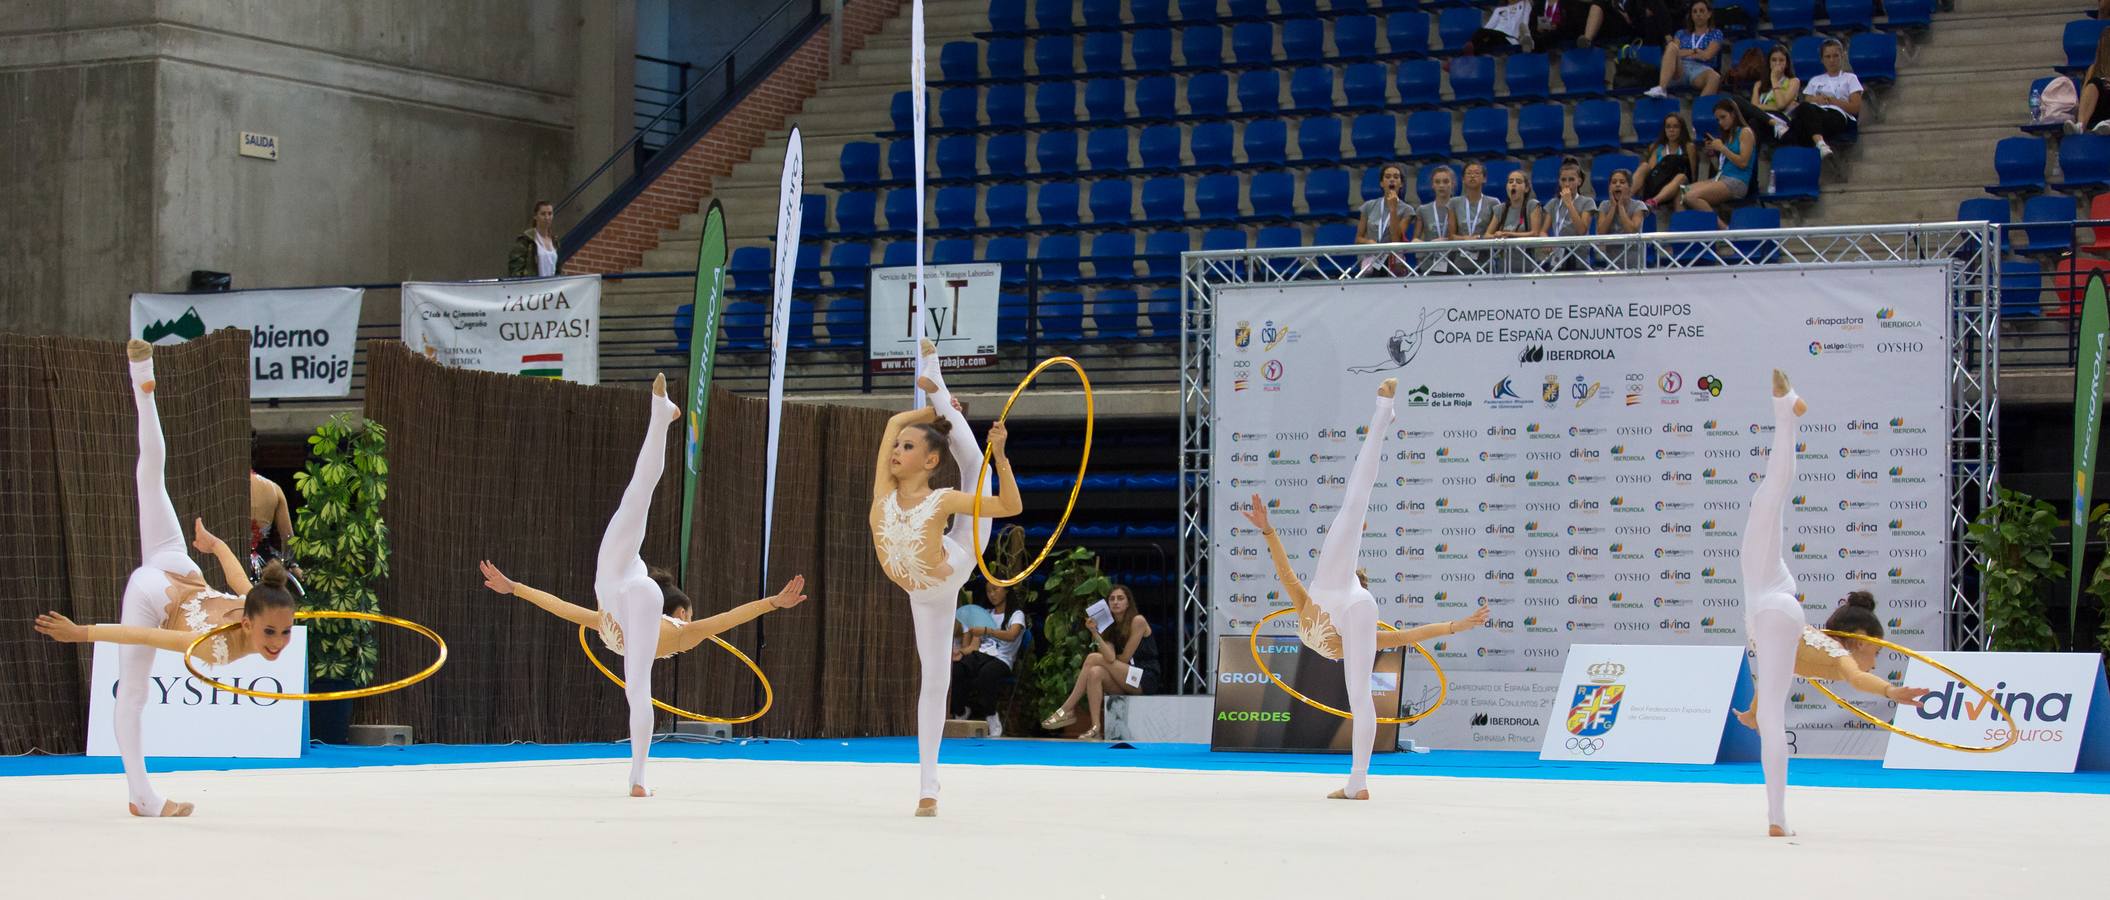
910,508
167,602
1336,615
1782,644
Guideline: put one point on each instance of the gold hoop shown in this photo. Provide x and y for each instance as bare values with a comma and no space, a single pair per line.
769,695
1442,688
2014,733
353,694
976,514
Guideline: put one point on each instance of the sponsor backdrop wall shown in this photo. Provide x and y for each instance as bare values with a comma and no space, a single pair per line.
1579,453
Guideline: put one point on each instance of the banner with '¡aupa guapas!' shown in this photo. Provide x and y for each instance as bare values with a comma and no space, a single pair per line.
300,341
538,327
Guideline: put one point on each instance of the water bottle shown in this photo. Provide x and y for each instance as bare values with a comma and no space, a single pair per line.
2036,104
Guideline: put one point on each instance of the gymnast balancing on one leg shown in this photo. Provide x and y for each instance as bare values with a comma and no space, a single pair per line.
167,603
918,553
1783,646
1336,615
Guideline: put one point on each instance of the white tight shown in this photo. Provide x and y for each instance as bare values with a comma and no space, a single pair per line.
965,452
146,592
1338,593
1772,616
931,609
624,589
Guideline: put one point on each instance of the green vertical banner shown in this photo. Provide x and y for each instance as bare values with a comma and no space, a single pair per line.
2087,431
703,352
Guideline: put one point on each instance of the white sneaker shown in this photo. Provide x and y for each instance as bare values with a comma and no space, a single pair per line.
996,725
1780,128
1657,92
1824,150
2102,127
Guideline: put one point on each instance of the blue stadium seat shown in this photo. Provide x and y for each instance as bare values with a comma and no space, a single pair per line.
742,324
956,157
1150,51
1161,253
1704,125
813,213
1259,92
902,111
1525,76
2019,164
1486,132
1597,125
1201,47
1473,79
1546,178
1210,145
1908,15
1054,56
1429,134
1112,201
1791,16
1055,103
1009,253
1303,41
1247,9
1149,12
1159,149
1216,199
1850,15
1055,152
1005,154
1163,311
1759,45
1420,83
1165,200
1354,37
897,254
960,61
1208,95
955,209
1363,84
1988,209
1695,253
1005,106
1006,59
1541,128
1105,101
1277,237
1806,56
800,336
1375,137
1057,257
1336,234
1266,143
1272,196
1342,7
1114,257
1367,188
1104,52
1224,239
1061,316
1795,174
1604,164
1010,319
1326,194
1755,251
1106,149
1318,140
1007,16
959,109
1582,73
1004,206
1455,27
1157,99
1253,43
860,163
1407,34
2021,288
1873,57
2084,163
2056,236
856,214
1311,89
1649,113
749,269
1498,174
1197,10
806,267
1057,204
848,322
1116,314
1054,15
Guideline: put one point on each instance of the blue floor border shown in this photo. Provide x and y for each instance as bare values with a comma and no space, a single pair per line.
1190,757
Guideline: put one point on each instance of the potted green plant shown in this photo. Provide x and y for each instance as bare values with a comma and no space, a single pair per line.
342,544
2014,538
1074,581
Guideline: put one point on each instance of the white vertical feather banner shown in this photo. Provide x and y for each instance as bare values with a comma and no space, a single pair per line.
790,191
920,127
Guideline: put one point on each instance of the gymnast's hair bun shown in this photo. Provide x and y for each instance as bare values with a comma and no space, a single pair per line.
1862,599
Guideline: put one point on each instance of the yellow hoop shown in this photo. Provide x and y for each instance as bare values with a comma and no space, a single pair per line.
769,696
190,652
1442,688
979,473
2014,733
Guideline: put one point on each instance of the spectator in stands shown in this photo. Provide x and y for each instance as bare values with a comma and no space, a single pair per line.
2093,113
535,250
1667,164
1473,212
1831,104
1438,217
1557,23
1621,212
1125,662
1386,220
1774,94
984,659
1690,56
1734,160
1606,20
1519,215
1568,214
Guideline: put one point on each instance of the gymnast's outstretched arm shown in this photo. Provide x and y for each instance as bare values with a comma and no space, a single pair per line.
1868,682
65,630
230,565
882,480
690,634
1386,640
1256,513
551,603
1007,502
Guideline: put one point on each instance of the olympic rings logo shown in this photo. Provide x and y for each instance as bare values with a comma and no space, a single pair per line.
1585,746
